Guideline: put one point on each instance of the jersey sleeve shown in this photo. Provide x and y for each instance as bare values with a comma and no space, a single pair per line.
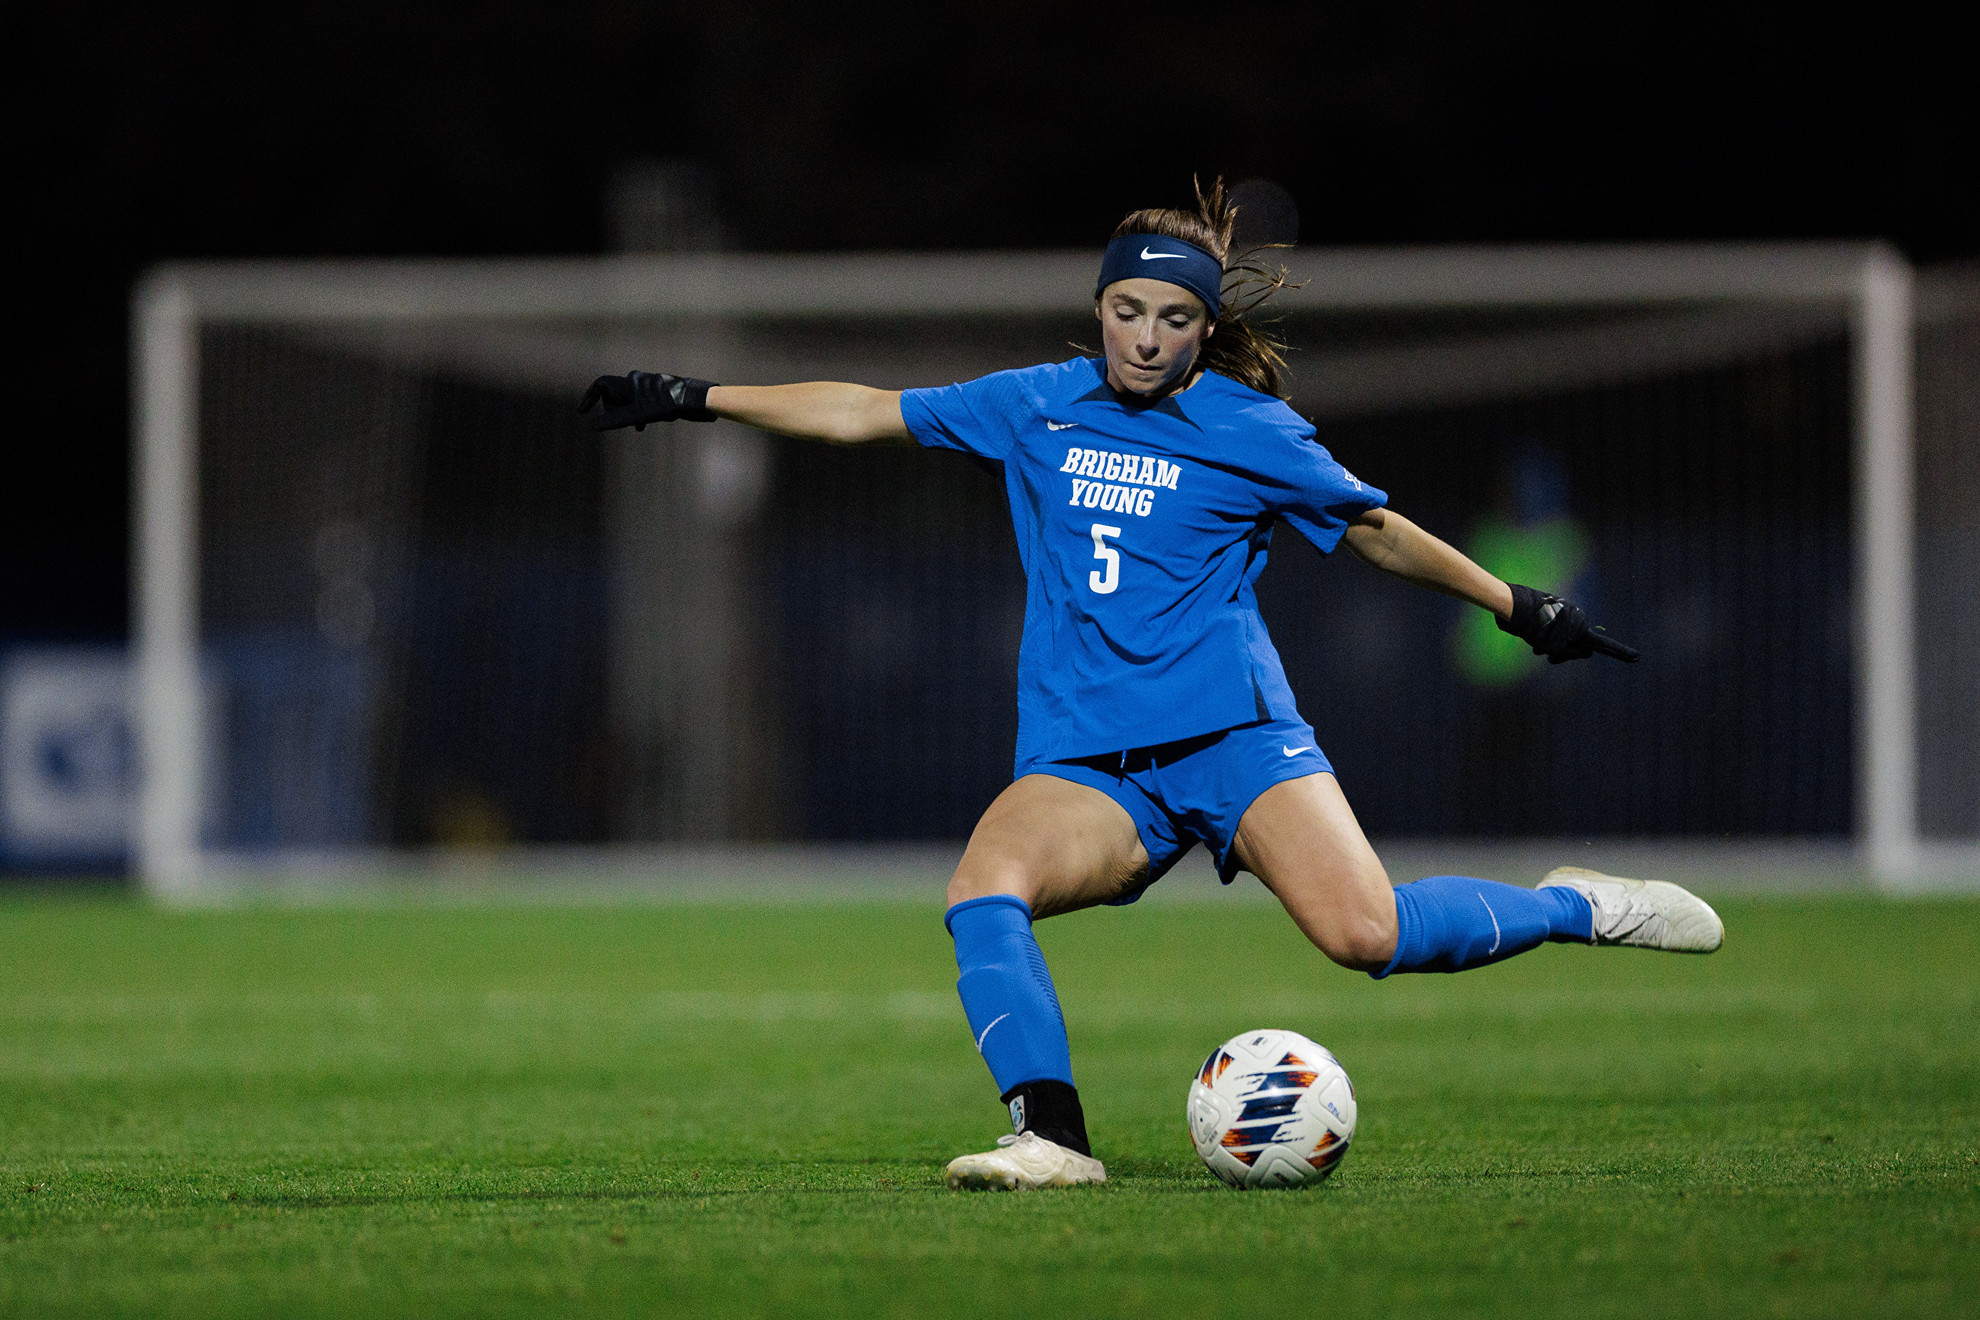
979,417
1319,497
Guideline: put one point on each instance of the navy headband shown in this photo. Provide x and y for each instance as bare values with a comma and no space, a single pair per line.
1152,257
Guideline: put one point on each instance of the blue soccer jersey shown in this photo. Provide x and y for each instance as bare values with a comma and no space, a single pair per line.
1142,529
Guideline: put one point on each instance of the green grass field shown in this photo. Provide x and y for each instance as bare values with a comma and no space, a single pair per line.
733,1109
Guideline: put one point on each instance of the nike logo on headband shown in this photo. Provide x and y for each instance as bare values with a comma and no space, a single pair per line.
1146,255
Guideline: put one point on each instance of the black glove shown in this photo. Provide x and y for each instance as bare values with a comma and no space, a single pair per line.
1559,629
639,397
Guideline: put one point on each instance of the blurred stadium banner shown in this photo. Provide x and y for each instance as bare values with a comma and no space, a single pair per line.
67,785
398,608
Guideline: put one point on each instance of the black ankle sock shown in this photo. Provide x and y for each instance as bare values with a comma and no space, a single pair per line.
1051,1109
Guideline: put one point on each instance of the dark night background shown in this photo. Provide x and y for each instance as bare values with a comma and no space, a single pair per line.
208,130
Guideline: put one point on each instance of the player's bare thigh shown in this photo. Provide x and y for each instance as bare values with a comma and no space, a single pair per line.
1057,845
1301,839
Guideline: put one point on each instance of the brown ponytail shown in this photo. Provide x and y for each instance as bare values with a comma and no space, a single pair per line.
1240,349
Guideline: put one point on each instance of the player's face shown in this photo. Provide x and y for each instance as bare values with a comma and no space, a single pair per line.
1151,331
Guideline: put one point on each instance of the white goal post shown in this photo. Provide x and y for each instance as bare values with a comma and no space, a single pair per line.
1867,288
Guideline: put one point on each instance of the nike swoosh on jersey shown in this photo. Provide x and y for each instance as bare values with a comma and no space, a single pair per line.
1146,255
1060,426
1292,751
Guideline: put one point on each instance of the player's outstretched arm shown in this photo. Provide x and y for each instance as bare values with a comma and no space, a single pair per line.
837,413
1394,544
830,411
1553,627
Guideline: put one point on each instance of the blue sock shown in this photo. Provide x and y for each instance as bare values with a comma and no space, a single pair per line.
1448,923
1007,993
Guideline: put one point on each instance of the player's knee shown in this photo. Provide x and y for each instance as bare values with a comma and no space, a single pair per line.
1364,941
979,880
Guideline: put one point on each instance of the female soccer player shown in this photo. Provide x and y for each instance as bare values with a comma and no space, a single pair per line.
1153,712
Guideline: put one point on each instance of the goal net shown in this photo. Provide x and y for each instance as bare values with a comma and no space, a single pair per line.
395,600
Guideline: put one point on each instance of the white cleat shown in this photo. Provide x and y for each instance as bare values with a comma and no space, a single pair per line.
1648,914
1021,1162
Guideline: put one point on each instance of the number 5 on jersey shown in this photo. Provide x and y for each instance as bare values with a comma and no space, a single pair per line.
1108,555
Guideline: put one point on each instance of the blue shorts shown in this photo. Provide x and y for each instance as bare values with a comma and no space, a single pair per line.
1196,790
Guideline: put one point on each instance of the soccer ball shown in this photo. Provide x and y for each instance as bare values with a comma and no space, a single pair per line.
1271,1109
